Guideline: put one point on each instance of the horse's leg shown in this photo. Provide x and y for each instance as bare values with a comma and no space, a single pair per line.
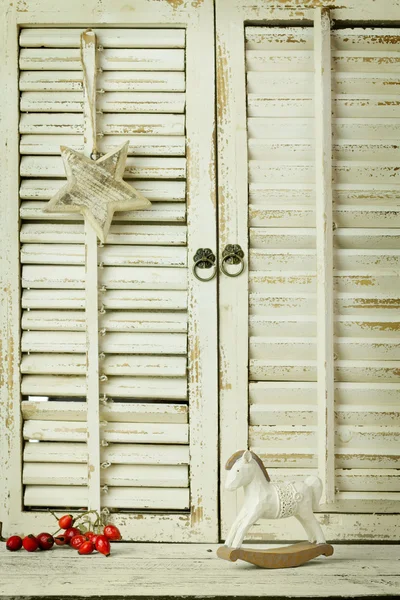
244,526
234,527
312,528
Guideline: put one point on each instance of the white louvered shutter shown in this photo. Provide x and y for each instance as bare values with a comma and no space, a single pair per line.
148,320
352,443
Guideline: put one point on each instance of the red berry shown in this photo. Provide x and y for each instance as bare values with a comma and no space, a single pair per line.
86,548
103,545
66,522
77,541
60,540
112,532
14,543
30,543
71,532
45,540
91,536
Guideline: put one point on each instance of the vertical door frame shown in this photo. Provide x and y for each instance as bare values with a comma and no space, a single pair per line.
201,523
232,167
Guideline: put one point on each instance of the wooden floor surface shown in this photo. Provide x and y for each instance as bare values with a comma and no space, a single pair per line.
176,570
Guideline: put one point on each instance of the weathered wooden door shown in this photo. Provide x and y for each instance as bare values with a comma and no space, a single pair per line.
309,119
156,460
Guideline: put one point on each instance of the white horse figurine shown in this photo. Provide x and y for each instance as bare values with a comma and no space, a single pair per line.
270,500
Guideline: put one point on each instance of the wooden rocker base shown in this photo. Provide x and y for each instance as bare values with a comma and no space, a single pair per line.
277,558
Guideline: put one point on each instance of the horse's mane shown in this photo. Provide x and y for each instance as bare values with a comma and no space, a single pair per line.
231,461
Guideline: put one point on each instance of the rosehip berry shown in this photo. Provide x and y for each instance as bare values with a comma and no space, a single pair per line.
91,536
86,548
30,543
60,540
45,541
71,532
112,532
103,545
77,541
66,522
14,543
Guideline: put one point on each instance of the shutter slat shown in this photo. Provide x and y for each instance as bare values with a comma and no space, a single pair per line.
112,299
66,431
73,254
124,364
136,454
108,124
141,167
155,322
117,475
109,81
117,497
118,412
156,191
153,145
108,38
111,59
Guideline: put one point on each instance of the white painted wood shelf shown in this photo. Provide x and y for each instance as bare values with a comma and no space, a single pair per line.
193,570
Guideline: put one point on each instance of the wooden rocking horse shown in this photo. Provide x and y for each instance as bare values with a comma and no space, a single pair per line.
262,498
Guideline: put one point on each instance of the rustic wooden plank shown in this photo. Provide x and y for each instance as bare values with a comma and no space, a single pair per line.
119,412
366,39
153,145
279,60
108,124
139,167
110,59
159,476
117,497
108,38
125,364
279,38
117,278
156,191
109,81
112,299
155,322
366,61
118,454
58,233
111,102
114,343
73,254
324,248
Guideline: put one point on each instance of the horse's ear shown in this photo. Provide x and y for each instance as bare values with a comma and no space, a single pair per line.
247,457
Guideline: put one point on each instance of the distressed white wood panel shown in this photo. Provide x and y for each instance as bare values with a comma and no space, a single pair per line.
117,497
69,431
119,412
287,260
366,61
154,322
58,233
109,81
108,38
116,475
282,237
366,39
279,38
112,299
139,167
110,59
123,454
156,191
108,124
113,343
274,106
73,254
167,212
110,102
125,364
152,388
152,145
279,60
279,127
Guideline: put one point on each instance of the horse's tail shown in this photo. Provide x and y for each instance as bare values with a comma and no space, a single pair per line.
316,490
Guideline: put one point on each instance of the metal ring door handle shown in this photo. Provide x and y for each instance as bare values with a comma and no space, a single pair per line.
232,255
204,259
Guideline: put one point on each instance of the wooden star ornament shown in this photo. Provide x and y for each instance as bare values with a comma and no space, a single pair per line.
96,189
